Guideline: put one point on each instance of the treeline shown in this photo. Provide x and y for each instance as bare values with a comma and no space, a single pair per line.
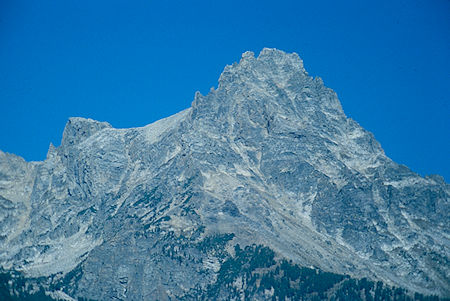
253,273
14,287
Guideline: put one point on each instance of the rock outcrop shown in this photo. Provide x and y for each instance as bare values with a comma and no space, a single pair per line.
267,159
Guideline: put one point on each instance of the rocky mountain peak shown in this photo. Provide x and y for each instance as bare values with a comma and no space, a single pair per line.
272,85
271,65
267,159
272,95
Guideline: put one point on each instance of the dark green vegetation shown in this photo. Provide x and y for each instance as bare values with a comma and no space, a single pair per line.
13,286
252,273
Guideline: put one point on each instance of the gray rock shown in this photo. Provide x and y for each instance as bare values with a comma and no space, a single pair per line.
269,156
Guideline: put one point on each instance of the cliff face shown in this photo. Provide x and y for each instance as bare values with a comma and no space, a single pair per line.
269,158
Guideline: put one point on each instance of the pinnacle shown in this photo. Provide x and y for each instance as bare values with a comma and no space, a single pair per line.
79,128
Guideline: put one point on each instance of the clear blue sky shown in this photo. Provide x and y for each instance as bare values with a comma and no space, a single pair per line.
133,62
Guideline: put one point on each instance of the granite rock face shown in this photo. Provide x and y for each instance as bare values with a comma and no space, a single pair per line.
269,158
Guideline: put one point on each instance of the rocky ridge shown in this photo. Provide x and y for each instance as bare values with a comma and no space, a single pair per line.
268,158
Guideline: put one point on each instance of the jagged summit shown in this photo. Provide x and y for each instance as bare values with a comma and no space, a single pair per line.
273,71
268,158
278,62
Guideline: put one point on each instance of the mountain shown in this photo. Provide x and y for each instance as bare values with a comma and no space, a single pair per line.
261,189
